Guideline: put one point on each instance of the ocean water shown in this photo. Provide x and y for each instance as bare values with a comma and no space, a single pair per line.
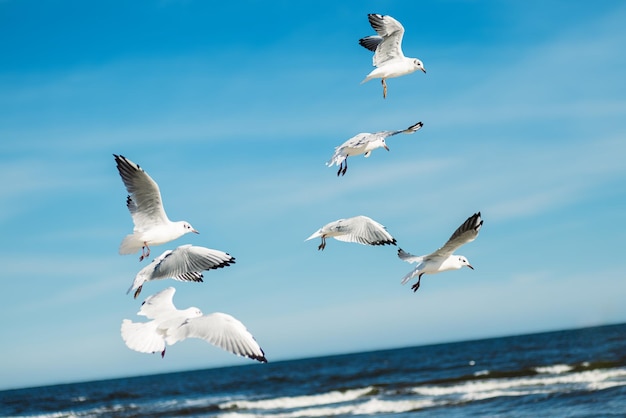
572,373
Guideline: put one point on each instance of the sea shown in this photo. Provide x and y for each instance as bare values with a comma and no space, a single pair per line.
571,373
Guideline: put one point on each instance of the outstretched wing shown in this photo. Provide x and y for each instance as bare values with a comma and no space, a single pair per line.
409,258
159,304
144,197
223,331
388,44
187,261
364,230
410,130
465,233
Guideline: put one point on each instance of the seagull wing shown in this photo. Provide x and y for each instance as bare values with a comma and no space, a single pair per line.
391,31
358,140
410,130
221,330
371,42
364,230
144,197
158,305
142,337
147,273
186,263
465,233
409,258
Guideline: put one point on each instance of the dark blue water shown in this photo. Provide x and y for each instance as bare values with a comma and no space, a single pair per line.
573,373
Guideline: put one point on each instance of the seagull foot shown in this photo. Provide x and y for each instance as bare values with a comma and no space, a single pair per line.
138,291
416,286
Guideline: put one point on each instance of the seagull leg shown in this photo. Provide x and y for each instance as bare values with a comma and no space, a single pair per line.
339,171
345,166
322,245
163,353
417,285
384,88
138,291
145,251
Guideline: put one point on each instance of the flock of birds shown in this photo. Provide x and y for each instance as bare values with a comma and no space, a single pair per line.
152,227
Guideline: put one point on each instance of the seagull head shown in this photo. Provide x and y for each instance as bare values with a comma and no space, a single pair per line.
464,262
188,228
418,65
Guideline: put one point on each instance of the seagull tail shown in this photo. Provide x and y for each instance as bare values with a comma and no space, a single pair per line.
409,276
130,245
336,160
318,233
142,336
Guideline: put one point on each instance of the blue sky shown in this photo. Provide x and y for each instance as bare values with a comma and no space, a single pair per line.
234,108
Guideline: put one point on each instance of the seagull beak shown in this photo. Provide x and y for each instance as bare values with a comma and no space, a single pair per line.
424,69
386,147
194,231
470,266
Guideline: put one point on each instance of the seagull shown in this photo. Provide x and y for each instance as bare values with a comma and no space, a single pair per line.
170,325
152,226
443,259
359,229
184,263
387,47
364,143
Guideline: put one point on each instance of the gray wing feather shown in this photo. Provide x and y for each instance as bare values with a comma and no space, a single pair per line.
465,233
391,32
410,130
408,257
370,42
364,230
144,201
187,262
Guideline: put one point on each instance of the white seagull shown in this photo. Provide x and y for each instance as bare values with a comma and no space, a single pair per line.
152,226
387,47
443,259
365,143
359,229
184,263
170,325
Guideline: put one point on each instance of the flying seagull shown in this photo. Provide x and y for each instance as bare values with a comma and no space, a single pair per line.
364,143
152,226
443,259
170,325
387,46
184,263
360,229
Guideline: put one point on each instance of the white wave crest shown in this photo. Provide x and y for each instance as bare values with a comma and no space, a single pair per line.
482,389
555,369
371,407
299,401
